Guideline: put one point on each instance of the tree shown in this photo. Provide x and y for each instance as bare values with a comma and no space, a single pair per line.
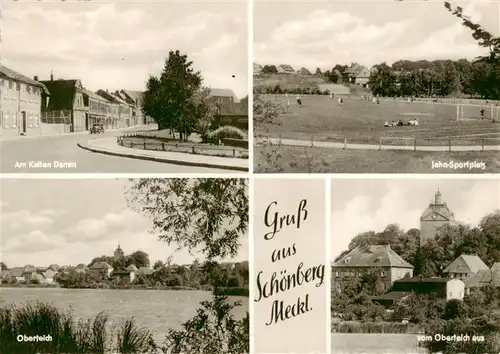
206,213
318,72
269,69
139,259
3,266
169,98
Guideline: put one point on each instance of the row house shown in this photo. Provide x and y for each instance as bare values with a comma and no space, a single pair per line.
66,104
381,258
20,104
97,109
120,112
29,274
136,98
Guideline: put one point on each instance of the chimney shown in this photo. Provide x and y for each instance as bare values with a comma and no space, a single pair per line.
35,78
51,77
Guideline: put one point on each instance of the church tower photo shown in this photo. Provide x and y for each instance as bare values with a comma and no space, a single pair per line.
436,215
118,254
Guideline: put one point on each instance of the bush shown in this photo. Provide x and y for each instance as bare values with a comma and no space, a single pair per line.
224,132
68,336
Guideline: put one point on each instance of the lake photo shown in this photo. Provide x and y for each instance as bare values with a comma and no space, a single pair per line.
159,310
153,266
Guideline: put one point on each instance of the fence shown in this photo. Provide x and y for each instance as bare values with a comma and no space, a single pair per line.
131,140
403,143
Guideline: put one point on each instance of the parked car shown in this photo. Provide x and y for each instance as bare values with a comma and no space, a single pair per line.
97,129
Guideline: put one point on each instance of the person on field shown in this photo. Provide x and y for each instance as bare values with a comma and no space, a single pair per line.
481,111
299,101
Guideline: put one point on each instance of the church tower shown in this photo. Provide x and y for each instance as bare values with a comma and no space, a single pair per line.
118,253
435,216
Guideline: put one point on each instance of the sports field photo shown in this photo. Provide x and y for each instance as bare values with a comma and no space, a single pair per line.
363,108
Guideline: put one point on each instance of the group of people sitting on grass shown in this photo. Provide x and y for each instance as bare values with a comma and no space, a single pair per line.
401,123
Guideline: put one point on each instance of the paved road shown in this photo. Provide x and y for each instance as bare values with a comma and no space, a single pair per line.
63,149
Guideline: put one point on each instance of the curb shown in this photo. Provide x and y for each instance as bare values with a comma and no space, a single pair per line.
164,160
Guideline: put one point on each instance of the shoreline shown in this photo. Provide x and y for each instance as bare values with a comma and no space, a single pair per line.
244,292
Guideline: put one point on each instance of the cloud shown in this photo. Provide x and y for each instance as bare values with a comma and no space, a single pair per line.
119,45
26,219
330,35
96,229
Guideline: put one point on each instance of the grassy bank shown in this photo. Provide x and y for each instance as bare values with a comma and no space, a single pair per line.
375,327
233,292
62,334
292,159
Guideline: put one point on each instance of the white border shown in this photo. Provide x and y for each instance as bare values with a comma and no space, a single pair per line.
328,268
251,270
250,83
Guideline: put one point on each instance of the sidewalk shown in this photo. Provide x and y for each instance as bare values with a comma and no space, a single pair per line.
109,146
86,132
334,145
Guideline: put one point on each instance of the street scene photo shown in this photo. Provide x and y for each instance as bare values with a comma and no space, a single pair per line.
376,87
156,266
124,87
415,266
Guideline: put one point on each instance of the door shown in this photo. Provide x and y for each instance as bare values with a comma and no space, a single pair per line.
23,123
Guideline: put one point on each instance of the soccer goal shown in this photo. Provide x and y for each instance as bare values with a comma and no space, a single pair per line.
490,112
397,143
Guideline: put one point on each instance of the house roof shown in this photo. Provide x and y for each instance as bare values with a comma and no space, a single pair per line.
372,256
217,92
16,271
101,265
3,273
62,93
88,93
146,271
132,268
286,67
108,96
423,280
393,295
304,71
14,75
81,266
54,266
466,263
135,95
257,66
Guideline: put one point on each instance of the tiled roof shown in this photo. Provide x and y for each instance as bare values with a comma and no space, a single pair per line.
62,94
135,95
216,92
393,295
466,264
146,271
304,71
88,93
11,74
101,265
423,280
372,256
17,271
286,67
132,268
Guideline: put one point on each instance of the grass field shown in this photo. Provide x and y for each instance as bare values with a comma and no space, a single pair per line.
361,121
287,81
291,159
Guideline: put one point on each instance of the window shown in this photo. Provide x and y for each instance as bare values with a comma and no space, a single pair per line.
28,89
6,120
347,260
11,84
18,86
337,273
382,274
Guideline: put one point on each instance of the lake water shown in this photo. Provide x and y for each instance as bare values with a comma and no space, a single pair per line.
378,343
159,310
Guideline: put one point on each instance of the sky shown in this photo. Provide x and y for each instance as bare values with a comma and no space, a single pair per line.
68,222
117,45
325,33
360,205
